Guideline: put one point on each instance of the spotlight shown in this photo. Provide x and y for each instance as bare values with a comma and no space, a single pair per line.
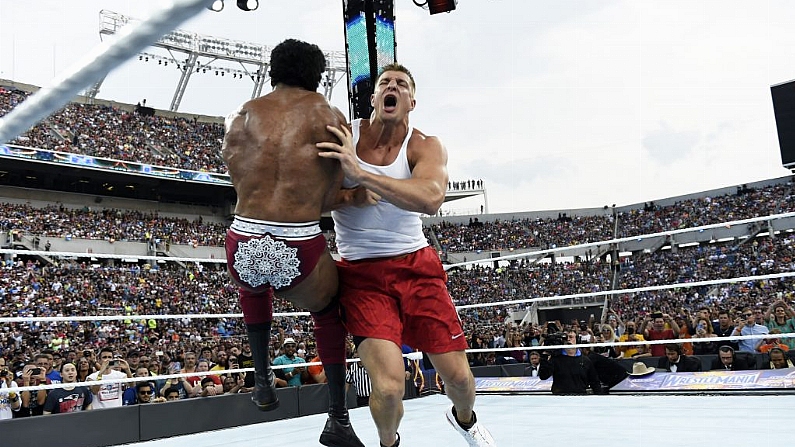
438,6
248,5
217,6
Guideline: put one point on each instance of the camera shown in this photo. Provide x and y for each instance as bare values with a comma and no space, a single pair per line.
556,339
35,371
86,354
3,373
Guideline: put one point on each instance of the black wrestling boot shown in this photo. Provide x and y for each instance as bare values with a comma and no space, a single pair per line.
264,395
338,431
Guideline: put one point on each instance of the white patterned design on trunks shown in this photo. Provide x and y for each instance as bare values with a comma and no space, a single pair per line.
264,260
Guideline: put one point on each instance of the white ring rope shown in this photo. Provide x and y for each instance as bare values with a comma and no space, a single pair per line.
109,54
469,306
447,266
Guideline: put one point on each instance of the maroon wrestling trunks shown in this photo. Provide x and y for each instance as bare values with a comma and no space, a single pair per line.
261,254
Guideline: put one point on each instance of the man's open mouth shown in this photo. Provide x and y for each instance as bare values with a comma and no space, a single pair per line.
390,101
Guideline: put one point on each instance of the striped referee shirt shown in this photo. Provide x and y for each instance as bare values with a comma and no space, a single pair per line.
358,377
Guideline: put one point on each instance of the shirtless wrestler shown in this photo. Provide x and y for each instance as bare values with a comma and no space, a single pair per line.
274,244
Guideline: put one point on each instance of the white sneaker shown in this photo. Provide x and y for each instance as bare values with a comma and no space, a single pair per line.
477,436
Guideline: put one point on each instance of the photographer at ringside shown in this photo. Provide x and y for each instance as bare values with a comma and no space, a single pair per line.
572,372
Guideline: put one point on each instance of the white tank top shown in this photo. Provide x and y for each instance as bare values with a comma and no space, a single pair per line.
381,230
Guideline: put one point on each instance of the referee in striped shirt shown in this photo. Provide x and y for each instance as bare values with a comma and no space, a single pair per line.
358,377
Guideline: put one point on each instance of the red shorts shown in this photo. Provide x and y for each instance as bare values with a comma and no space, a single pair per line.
261,255
403,299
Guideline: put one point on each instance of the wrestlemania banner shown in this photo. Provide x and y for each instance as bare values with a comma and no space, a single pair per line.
752,380
512,385
87,161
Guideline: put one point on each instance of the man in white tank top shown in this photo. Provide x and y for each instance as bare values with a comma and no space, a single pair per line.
392,284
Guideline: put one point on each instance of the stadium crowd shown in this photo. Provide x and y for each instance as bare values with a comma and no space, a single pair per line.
29,288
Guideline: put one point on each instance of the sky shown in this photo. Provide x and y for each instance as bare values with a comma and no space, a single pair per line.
554,104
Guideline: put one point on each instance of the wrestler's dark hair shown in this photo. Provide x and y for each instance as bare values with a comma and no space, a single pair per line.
298,64
401,68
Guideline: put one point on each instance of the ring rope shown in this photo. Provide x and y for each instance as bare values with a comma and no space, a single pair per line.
109,54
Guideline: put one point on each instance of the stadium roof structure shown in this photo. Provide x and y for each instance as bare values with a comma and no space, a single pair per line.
203,53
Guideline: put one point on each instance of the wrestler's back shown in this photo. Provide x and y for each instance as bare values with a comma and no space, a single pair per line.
270,150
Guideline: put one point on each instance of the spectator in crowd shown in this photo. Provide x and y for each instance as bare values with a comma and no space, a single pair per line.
32,401
222,363
728,360
145,393
183,387
315,373
172,394
704,329
766,344
84,369
779,360
606,335
133,359
534,364
44,361
675,361
10,400
571,371
233,385
780,316
131,395
748,326
659,327
109,395
203,365
70,398
295,375
190,364
703,313
632,351
726,328
686,331
207,387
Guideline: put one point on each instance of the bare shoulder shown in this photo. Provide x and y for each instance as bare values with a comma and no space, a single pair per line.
423,146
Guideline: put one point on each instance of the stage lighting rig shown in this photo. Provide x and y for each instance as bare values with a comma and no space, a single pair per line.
244,5
217,6
437,6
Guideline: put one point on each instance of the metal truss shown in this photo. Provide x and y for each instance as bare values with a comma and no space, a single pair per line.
204,54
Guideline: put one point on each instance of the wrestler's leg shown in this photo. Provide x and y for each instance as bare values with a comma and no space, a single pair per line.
317,293
459,384
384,363
258,314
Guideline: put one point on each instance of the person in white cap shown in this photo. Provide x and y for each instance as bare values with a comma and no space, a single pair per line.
294,376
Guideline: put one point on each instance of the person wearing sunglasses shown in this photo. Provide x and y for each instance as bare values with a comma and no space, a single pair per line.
747,325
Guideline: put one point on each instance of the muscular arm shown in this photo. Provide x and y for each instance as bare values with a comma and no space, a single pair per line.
424,192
